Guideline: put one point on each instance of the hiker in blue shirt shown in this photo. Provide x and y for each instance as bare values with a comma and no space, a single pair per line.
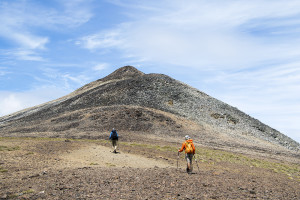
114,138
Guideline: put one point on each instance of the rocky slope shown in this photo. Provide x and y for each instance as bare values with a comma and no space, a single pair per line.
134,102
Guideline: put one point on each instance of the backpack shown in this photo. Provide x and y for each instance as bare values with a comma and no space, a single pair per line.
189,147
114,135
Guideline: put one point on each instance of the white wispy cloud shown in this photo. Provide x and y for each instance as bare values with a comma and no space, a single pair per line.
10,103
65,80
23,39
21,22
202,33
76,13
4,71
102,40
14,101
23,54
100,66
15,22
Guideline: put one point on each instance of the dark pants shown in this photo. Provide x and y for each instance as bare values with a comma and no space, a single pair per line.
114,143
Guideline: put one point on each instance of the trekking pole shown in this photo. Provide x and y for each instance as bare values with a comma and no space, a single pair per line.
177,159
196,163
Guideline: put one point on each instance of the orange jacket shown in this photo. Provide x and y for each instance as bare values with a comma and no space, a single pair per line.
183,146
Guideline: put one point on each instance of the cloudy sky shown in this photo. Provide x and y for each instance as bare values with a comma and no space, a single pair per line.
245,53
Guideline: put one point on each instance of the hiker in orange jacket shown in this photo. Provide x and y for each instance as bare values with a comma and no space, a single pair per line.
189,148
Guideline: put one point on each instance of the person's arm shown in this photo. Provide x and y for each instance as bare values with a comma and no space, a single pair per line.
182,148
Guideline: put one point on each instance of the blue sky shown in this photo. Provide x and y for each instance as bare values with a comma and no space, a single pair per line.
245,53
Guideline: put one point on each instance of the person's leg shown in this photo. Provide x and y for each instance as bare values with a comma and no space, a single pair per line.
114,145
189,158
188,166
191,162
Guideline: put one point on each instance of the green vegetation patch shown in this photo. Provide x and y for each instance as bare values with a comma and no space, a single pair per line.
110,165
13,196
2,170
28,191
56,139
6,148
94,163
206,155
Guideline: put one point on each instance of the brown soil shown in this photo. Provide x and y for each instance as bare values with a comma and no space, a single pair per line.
87,169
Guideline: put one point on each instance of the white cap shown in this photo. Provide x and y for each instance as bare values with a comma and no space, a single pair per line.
187,137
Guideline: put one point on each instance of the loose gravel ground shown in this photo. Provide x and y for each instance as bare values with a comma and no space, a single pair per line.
64,169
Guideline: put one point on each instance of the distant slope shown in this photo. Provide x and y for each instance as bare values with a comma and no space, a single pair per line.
147,103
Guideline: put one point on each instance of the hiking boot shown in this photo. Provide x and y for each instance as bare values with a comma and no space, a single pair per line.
187,170
114,151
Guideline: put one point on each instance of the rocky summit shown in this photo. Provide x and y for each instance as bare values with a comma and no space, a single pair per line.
155,105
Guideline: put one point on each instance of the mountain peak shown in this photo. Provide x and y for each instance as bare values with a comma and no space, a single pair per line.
124,72
153,104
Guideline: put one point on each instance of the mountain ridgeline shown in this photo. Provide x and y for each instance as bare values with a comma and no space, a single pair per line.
146,104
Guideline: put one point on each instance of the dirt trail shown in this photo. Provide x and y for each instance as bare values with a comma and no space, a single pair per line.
96,155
